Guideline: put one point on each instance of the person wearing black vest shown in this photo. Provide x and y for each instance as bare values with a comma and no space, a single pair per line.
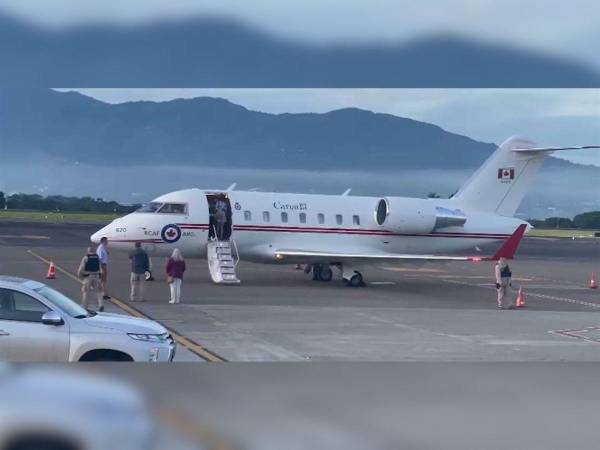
503,283
89,273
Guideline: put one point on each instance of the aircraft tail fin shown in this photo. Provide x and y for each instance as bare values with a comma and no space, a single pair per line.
500,184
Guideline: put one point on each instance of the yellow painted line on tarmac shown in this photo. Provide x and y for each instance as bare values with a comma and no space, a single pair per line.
200,433
58,268
192,346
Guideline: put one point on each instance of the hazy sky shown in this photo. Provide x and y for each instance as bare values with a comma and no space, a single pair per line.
548,116
566,28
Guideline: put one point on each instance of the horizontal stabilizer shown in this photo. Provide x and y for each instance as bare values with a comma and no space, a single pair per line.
501,183
552,149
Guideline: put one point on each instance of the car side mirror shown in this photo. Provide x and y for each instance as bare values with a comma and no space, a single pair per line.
52,318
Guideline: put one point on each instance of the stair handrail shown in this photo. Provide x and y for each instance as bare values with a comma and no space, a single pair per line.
237,253
214,228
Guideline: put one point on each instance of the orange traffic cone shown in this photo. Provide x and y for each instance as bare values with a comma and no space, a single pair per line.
51,271
520,303
593,284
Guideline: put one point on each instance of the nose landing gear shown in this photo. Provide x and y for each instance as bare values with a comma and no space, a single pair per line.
324,272
352,277
355,280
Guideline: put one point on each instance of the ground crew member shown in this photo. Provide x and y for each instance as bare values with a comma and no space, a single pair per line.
89,273
140,264
503,283
102,252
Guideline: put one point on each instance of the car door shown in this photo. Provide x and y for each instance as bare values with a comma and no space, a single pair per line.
23,336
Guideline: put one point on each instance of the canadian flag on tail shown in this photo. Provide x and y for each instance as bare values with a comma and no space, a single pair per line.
506,173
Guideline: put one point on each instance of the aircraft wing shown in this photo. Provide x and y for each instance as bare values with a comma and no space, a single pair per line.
507,251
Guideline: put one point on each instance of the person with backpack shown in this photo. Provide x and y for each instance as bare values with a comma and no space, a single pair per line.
89,273
140,264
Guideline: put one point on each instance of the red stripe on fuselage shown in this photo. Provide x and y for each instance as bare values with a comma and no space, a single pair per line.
348,231
143,241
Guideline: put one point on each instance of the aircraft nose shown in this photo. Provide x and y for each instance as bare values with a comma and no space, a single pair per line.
95,238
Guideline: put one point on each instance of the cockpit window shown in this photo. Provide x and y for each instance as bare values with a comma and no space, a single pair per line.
149,207
163,208
173,208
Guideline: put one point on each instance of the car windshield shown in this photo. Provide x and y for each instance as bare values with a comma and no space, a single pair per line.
63,302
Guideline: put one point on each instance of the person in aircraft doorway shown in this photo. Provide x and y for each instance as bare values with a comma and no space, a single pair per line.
220,220
89,274
503,284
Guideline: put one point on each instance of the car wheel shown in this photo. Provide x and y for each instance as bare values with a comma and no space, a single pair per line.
106,356
40,443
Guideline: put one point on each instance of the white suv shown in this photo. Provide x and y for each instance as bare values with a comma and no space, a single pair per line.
38,323
54,408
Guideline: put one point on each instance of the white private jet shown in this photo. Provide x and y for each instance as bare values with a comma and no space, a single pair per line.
347,232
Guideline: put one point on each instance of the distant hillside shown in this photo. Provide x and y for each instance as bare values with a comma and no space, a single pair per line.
215,53
70,127
50,140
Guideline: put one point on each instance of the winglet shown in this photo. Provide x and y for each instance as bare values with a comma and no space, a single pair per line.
509,248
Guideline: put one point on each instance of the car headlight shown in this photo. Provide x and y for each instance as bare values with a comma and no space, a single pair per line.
149,337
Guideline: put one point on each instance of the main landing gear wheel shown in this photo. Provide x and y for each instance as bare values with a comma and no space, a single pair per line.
322,272
325,273
356,280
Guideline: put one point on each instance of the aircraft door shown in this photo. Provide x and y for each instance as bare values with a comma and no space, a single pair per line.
220,226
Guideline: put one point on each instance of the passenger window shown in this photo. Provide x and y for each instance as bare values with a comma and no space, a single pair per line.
302,217
173,208
15,305
339,219
356,220
284,217
247,216
266,216
321,218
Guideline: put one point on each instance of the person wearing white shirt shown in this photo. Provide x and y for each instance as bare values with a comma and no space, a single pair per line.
102,252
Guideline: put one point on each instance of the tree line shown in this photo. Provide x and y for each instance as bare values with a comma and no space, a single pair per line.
588,220
36,202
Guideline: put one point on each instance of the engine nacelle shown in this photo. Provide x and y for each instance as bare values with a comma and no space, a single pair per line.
415,215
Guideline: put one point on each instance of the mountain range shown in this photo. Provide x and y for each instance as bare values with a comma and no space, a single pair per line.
68,143
213,132
203,52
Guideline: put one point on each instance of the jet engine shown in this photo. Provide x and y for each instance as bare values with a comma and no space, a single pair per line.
415,216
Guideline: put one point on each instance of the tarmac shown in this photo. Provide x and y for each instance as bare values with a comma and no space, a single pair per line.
433,312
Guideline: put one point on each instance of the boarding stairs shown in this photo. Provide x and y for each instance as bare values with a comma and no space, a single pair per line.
223,258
